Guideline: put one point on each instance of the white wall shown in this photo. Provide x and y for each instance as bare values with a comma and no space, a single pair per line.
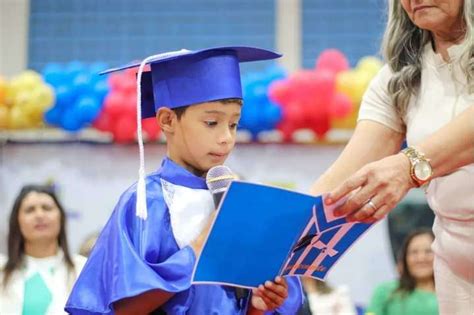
91,177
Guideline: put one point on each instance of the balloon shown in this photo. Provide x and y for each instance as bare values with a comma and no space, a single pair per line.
151,128
73,69
3,90
287,128
371,65
341,106
4,117
103,122
53,116
279,92
87,109
275,72
43,96
81,84
54,74
18,119
332,60
353,84
101,88
65,96
114,104
272,116
124,129
70,121
294,113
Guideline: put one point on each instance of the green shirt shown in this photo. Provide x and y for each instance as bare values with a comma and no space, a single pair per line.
419,302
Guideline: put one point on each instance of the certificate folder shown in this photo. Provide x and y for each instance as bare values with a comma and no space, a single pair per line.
261,232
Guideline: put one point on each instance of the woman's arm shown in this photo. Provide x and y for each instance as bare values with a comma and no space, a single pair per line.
449,148
371,141
452,146
144,303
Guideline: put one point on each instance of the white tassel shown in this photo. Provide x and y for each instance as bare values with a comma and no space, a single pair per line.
141,206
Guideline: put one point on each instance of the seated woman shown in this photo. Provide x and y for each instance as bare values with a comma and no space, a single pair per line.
414,292
39,271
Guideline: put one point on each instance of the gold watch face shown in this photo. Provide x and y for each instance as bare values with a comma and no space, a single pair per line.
422,170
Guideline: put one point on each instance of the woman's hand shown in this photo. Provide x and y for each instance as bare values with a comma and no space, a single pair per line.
269,296
374,190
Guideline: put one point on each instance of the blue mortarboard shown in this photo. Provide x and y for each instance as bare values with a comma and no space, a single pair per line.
186,77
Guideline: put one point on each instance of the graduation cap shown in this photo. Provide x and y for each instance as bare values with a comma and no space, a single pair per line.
185,77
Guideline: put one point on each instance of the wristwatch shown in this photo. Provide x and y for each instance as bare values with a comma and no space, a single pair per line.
420,170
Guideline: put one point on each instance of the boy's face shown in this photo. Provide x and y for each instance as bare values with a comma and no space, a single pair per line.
205,135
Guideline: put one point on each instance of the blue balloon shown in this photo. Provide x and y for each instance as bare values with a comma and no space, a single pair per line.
82,84
74,68
101,89
87,108
272,116
53,74
275,72
70,121
65,96
53,116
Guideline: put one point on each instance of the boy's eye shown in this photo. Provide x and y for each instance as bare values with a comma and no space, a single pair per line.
211,123
234,125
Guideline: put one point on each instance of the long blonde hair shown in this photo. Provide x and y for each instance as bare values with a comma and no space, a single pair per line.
402,47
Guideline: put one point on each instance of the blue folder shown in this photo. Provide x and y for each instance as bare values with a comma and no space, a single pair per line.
261,232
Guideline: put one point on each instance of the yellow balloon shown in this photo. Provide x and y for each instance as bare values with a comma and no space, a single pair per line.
4,117
17,119
30,78
3,90
44,96
370,65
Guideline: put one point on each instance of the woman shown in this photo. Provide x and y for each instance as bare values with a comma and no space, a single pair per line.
39,272
426,86
413,293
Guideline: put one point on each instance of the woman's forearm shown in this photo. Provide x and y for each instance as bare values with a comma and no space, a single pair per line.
452,146
364,147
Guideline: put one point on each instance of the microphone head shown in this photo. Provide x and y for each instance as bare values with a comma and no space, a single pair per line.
219,178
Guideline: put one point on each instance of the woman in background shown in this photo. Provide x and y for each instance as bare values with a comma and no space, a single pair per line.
39,271
414,292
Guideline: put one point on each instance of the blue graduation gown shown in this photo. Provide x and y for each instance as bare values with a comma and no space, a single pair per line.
116,269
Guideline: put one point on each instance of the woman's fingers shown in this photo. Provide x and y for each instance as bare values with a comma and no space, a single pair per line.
354,182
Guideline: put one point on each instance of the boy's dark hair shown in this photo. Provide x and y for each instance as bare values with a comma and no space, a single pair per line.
179,111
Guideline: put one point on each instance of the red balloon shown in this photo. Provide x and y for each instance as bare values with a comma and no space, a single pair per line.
151,128
103,122
280,92
124,130
294,113
332,60
287,129
321,125
341,106
114,104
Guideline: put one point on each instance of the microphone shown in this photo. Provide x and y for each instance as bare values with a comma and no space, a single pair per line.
218,179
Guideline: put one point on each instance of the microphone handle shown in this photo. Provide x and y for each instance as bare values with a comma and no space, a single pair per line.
217,197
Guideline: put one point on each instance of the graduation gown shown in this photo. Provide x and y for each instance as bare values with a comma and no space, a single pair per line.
133,256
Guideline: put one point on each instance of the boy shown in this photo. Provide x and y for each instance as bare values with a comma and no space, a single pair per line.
144,263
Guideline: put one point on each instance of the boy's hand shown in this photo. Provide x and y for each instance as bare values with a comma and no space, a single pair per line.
198,243
271,295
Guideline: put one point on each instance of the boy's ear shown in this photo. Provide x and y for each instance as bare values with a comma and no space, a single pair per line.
166,119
